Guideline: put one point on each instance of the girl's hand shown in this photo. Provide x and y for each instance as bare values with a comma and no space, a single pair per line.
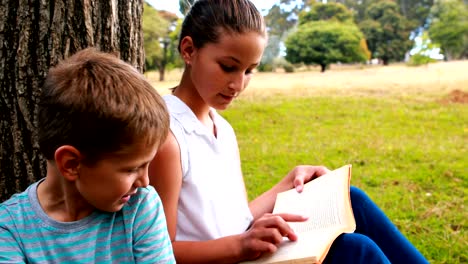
266,233
303,174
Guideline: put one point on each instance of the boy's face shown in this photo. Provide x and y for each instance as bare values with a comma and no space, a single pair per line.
109,183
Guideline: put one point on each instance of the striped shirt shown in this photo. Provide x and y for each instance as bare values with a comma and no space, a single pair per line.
135,234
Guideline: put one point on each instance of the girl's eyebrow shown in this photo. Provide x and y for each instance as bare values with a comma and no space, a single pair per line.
238,61
232,58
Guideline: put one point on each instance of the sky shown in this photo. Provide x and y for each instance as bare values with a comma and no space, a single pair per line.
173,5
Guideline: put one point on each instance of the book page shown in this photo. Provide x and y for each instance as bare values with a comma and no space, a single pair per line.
307,249
324,200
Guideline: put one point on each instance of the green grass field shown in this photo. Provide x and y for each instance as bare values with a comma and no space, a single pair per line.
404,134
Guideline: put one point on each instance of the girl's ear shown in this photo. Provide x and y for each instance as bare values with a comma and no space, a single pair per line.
68,160
187,49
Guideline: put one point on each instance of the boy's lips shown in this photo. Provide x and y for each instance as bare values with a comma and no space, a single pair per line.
127,197
130,194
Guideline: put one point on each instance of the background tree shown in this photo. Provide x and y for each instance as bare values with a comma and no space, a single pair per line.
387,32
449,28
331,11
423,51
416,11
272,51
154,27
280,19
184,5
158,27
326,34
35,35
174,59
279,22
325,42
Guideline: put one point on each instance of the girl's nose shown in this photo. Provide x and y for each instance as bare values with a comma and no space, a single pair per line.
237,83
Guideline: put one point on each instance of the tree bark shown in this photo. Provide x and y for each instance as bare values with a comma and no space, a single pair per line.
34,36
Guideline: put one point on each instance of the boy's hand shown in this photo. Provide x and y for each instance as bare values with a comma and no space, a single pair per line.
266,233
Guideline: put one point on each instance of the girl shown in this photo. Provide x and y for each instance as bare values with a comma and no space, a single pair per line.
197,171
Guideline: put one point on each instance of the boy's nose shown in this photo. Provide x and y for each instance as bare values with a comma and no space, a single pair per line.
143,180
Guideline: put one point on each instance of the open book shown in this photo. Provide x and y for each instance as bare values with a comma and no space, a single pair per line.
326,201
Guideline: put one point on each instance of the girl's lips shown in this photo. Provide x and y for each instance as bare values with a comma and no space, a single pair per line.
227,97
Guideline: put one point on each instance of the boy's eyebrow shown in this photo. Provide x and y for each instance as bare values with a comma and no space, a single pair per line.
139,164
145,162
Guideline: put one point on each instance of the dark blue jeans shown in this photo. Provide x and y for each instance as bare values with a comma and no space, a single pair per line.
376,239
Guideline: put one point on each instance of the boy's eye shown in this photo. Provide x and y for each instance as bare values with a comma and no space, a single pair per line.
133,170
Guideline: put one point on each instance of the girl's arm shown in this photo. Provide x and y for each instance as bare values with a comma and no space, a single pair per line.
264,235
165,174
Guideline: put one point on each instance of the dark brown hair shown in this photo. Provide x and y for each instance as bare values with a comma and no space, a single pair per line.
207,19
98,104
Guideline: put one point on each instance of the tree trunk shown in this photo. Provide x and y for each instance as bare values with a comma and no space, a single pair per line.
385,61
35,35
323,67
162,65
162,72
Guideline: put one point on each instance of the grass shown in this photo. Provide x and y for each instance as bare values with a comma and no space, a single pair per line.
406,142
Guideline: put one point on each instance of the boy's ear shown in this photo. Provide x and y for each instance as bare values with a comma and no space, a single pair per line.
187,48
68,160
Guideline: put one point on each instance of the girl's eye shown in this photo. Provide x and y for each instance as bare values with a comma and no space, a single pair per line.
227,68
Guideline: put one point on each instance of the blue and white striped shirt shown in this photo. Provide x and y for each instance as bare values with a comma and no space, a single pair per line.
135,234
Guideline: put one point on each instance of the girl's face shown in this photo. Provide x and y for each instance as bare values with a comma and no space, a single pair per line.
221,71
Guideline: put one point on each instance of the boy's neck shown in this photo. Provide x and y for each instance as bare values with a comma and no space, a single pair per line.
59,198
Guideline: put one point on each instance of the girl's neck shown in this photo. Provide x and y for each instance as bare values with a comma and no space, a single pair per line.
190,96
186,92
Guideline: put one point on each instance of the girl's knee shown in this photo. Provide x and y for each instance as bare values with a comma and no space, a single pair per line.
357,194
359,197
357,248
355,240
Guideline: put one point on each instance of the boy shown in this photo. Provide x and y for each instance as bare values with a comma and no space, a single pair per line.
100,124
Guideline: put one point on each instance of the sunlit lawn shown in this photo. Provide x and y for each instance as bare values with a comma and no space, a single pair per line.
407,142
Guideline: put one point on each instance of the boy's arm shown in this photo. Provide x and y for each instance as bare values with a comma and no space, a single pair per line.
151,242
9,247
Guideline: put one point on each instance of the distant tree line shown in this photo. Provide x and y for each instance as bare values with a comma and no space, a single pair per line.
348,31
388,28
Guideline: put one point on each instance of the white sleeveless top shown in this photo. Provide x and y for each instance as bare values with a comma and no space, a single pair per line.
212,201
